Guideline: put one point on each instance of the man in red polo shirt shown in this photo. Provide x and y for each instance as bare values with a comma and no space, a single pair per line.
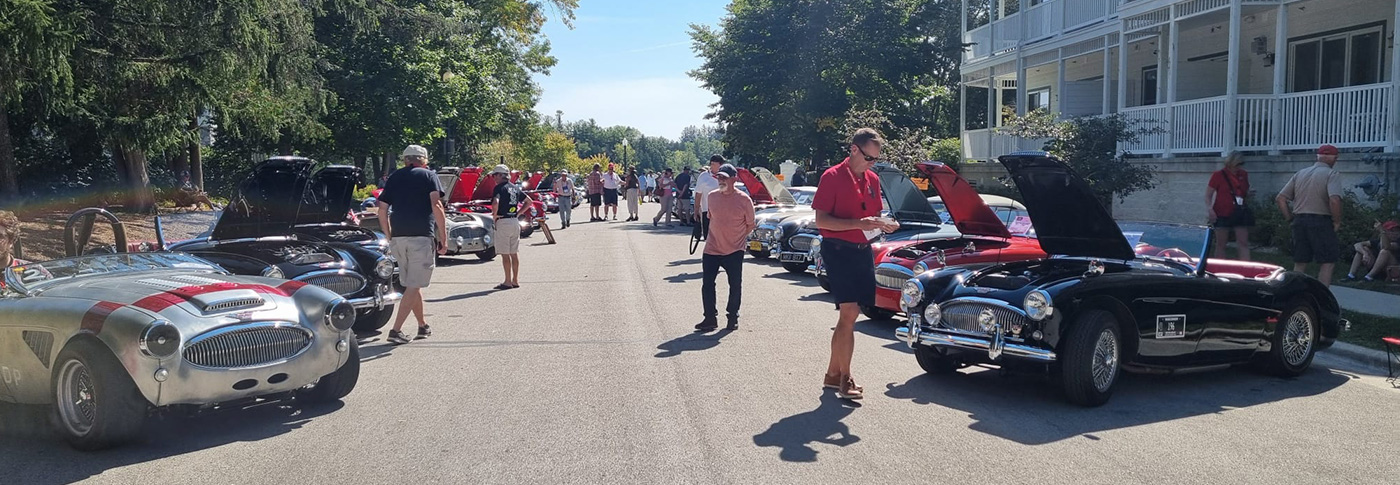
848,205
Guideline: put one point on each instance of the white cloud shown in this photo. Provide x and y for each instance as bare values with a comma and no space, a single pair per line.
657,106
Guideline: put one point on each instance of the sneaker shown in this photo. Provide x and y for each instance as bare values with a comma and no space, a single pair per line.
733,324
424,332
849,389
397,337
710,323
831,381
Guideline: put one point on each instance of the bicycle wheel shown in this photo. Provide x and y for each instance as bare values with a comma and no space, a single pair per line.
694,238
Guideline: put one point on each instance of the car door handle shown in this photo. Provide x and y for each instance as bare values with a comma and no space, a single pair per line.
1164,301
1265,293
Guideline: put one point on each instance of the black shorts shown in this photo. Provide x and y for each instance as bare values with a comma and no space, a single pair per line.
595,200
609,196
850,268
1315,240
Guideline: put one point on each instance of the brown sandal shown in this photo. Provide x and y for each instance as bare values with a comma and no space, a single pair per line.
833,381
849,389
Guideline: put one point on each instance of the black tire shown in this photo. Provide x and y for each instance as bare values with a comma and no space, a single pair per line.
1293,348
934,362
1080,350
372,320
527,231
338,384
487,255
795,268
824,282
117,408
877,313
760,254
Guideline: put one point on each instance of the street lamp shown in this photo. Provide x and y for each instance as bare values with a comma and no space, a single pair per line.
624,153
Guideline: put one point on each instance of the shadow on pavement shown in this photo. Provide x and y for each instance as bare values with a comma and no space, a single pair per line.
33,454
691,342
1029,409
684,277
683,262
795,434
804,280
822,297
884,330
450,261
464,296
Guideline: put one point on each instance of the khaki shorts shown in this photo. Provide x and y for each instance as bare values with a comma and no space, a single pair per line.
416,256
508,236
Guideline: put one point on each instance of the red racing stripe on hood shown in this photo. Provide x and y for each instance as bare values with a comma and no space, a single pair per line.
96,316
166,299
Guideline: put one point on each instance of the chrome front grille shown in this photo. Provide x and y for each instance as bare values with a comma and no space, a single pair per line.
892,276
962,316
345,284
249,345
801,243
468,232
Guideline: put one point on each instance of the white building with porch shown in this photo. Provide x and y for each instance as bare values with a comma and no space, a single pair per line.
1272,78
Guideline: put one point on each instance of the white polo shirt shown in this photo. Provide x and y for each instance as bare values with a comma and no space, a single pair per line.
707,183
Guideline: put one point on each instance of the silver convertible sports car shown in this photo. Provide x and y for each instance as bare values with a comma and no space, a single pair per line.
107,339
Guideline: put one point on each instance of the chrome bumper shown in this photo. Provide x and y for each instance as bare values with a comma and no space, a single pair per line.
462,245
995,345
383,296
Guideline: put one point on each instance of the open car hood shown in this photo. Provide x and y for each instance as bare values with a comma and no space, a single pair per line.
268,201
1068,219
904,200
764,188
485,185
330,195
969,212
458,183
534,181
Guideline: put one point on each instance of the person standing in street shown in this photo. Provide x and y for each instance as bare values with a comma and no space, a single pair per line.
683,195
612,182
665,187
1227,206
506,200
731,213
1315,215
633,187
706,183
564,194
416,229
595,192
847,206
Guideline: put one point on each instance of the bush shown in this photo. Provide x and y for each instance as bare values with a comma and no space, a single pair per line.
1358,217
365,192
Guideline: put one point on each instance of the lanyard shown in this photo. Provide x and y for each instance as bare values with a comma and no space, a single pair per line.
863,189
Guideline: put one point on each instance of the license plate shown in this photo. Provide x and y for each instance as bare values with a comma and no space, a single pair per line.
755,246
792,257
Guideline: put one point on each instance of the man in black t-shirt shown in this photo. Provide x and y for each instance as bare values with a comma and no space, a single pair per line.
416,231
506,200
683,189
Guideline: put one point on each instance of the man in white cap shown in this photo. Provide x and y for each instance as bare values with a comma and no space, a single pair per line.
416,231
505,207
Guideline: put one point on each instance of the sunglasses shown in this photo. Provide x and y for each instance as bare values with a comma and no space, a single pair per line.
868,158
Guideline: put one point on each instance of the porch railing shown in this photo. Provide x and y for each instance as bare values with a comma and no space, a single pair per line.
987,144
1049,19
1196,125
1347,117
1150,117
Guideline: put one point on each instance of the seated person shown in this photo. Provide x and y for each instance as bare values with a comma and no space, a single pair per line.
1379,253
189,195
9,235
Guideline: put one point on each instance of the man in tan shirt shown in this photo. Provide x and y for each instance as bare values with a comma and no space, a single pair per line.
731,221
1315,215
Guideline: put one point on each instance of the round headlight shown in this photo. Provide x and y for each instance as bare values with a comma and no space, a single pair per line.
274,272
920,268
1038,305
340,315
384,268
160,340
912,293
932,314
486,239
778,234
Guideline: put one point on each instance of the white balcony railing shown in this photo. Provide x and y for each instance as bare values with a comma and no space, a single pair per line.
1149,117
987,144
1047,20
1346,117
1196,125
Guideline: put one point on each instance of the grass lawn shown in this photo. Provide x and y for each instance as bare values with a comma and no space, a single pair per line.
1367,330
1272,256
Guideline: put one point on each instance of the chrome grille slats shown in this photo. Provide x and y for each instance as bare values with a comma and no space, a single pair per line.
249,345
962,315
344,283
801,243
233,304
468,232
892,276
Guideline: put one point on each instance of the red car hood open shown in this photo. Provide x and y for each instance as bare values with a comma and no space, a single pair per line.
965,205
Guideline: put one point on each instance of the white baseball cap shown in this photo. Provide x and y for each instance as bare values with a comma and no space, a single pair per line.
415,151
501,169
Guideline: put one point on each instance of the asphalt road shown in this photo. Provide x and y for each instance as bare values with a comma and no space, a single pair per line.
590,373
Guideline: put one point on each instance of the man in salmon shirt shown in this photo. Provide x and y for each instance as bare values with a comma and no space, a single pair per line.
731,221
848,205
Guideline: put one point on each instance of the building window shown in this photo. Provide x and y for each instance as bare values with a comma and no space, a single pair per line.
1336,60
1149,85
1038,100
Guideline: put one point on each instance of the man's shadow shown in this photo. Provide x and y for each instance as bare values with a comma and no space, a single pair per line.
691,342
795,434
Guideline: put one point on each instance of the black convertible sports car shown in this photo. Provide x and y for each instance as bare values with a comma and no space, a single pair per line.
273,227
1093,308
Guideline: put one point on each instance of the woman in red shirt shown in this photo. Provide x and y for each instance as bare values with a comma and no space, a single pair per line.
1227,205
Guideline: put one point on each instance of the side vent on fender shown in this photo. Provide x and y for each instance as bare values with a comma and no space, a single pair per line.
41,343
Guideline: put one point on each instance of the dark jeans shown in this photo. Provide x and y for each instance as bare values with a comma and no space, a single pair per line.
1315,240
733,265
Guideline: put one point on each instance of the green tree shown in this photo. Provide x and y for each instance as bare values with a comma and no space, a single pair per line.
1090,146
36,41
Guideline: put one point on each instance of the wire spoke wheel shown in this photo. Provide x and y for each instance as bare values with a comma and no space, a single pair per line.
1297,338
1105,362
77,399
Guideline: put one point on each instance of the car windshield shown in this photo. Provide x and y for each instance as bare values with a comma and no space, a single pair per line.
1183,243
36,275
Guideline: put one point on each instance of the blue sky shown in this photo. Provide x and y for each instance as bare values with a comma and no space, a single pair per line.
625,63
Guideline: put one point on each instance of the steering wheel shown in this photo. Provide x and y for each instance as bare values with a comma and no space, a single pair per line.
1173,253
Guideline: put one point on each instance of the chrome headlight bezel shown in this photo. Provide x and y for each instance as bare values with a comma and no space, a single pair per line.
920,267
1038,305
384,268
911,294
933,314
274,272
340,315
777,234
160,339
